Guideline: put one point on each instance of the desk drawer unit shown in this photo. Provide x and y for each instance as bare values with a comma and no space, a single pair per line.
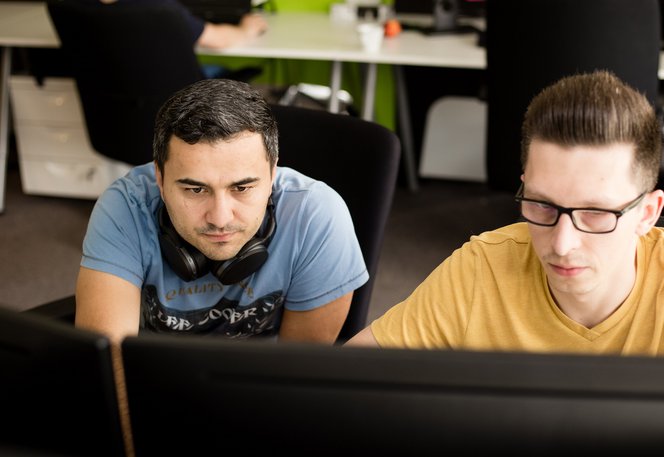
54,152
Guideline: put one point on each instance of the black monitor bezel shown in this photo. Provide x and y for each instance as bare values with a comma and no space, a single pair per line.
57,389
305,398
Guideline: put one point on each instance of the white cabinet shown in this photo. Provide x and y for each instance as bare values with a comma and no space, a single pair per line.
54,152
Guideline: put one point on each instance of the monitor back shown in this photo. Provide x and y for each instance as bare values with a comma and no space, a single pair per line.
57,391
472,8
318,400
219,11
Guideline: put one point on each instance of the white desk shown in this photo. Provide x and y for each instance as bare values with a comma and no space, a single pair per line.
22,24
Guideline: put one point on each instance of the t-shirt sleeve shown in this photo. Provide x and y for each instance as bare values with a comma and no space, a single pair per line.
436,313
329,263
112,243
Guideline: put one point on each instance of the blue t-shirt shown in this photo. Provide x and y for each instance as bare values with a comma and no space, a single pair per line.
314,258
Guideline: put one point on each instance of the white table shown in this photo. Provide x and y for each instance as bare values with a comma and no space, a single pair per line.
315,36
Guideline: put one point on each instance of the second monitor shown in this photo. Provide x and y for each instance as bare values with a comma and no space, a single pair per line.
192,394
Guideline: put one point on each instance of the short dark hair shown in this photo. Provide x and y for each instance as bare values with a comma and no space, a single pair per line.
596,109
211,110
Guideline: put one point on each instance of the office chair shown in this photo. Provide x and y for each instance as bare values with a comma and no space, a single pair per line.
358,158
317,96
127,59
532,44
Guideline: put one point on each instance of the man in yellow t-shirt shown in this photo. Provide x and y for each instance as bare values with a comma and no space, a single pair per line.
585,272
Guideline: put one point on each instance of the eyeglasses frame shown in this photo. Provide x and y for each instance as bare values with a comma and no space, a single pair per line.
519,198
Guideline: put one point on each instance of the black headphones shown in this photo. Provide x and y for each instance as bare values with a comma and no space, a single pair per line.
189,263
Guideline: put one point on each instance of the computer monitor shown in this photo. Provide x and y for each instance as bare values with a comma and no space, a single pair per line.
438,16
191,394
219,11
57,391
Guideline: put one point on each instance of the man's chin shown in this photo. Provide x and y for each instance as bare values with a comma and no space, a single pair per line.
220,255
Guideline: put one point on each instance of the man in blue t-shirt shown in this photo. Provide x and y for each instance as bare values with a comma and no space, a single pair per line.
214,237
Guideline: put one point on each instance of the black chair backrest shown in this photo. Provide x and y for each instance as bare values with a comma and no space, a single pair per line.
531,44
127,58
360,160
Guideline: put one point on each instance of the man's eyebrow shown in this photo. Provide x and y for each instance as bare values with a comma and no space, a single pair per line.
191,182
241,182
245,181
593,203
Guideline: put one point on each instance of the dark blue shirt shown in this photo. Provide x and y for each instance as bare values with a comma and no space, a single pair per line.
196,24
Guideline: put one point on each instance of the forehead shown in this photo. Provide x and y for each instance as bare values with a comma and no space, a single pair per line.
231,159
588,173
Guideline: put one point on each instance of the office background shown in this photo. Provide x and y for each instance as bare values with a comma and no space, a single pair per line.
42,235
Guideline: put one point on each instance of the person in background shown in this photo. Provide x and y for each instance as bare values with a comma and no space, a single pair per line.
213,237
44,62
583,272
207,34
211,35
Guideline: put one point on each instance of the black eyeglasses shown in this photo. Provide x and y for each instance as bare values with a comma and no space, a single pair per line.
588,220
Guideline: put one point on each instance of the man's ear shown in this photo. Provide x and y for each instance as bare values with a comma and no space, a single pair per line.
160,179
650,211
273,173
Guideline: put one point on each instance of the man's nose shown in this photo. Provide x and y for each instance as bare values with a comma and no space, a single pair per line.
565,237
220,212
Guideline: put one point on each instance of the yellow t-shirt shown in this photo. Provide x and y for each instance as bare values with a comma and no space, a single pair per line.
492,294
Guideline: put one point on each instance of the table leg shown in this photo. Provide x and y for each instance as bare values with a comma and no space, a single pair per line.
369,92
405,129
335,86
5,69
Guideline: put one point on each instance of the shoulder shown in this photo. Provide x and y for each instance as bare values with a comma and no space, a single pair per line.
290,180
309,207
140,183
653,241
513,234
655,234
294,188
508,245
134,193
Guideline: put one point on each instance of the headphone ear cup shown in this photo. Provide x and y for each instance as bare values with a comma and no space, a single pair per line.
185,260
250,258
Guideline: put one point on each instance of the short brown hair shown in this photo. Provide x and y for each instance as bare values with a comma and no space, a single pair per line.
596,109
211,110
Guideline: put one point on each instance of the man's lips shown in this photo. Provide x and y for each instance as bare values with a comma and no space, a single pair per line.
219,237
567,271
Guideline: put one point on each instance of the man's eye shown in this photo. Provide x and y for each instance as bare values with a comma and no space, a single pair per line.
543,206
242,189
195,190
598,214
